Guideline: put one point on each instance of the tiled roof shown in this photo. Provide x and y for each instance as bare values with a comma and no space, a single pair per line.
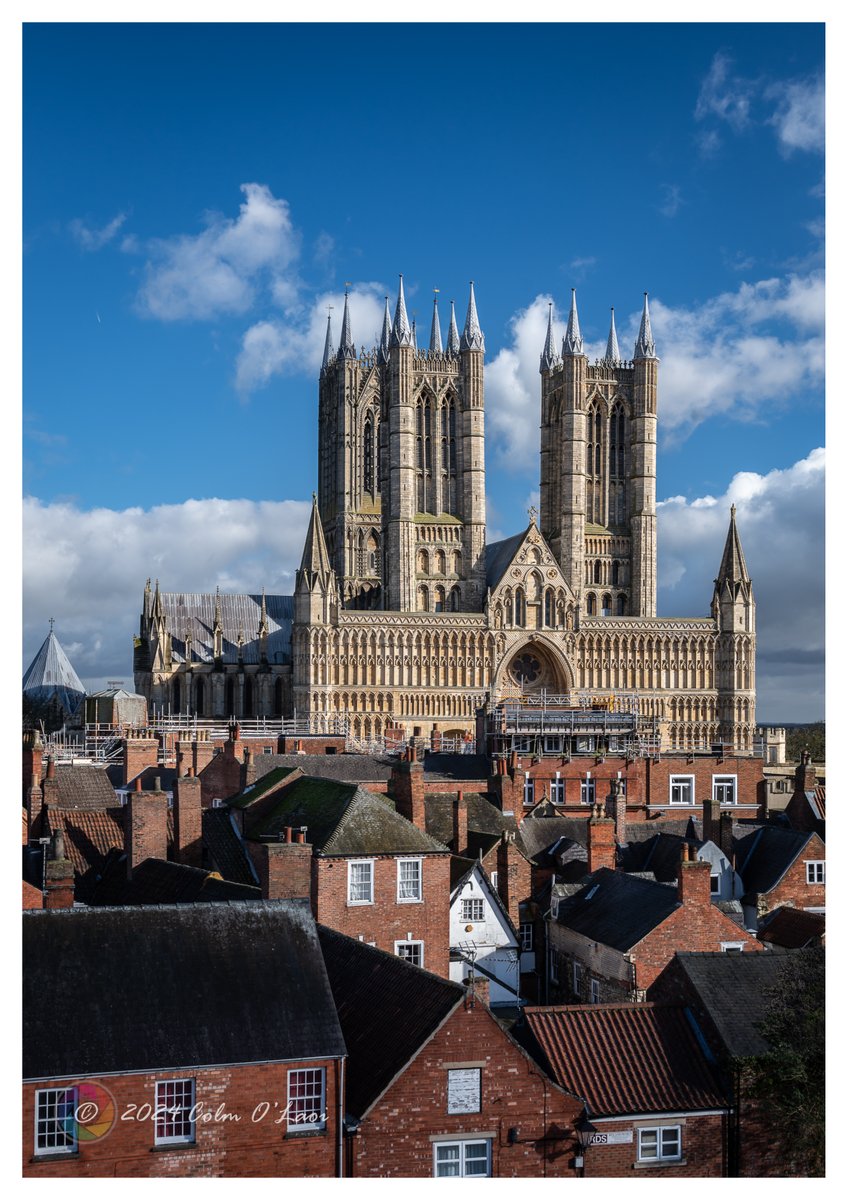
82,785
342,819
224,847
195,612
387,1009
792,928
764,856
617,910
347,768
156,881
483,817
733,989
176,986
627,1059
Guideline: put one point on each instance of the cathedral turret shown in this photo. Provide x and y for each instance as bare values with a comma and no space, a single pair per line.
346,346
644,347
472,334
572,343
643,473
733,597
385,336
548,358
262,632
414,336
328,343
315,589
218,632
435,330
734,612
613,354
453,333
401,331
473,461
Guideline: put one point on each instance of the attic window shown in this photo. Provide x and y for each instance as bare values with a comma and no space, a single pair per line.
472,910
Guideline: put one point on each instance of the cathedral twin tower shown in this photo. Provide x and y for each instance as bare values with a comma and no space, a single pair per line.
402,615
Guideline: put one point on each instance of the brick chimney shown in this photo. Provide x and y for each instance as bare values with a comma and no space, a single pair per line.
139,752
712,820
188,829
478,992
514,876
460,823
805,774
59,882
507,794
145,827
406,787
284,868
435,740
601,840
617,810
248,769
50,784
34,802
32,757
725,840
693,880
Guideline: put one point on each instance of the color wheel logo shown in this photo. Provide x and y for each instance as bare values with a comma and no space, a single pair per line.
93,1115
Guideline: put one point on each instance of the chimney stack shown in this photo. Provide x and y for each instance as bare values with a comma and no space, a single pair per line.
693,880
805,774
139,753
284,868
712,821
406,787
188,829
59,875
145,828
460,823
617,809
601,841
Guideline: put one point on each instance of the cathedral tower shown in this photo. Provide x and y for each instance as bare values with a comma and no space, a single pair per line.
734,612
401,488
598,469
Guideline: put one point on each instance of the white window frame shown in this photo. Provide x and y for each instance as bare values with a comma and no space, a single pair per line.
529,790
719,780
658,1131
182,1113
47,1124
410,899
558,789
588,790
815,867
411,942
461,1144
733,947
359,862
493,878
468,906
715,879
525,933
594,990
677,781
316,1075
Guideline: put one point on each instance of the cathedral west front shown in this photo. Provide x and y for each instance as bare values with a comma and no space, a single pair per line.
403,615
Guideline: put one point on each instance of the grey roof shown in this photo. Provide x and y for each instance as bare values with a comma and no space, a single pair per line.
195,612
645,347
50,675
499,556
340,819
162,987
617,910
224,847
764,856
157,881
572,343
484,818
613,354
734,992
346,768
472,334
456,766
388,1010
539,834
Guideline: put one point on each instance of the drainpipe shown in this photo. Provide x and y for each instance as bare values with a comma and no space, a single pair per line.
340,1120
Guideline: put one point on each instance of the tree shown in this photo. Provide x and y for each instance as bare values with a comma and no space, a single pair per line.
805,737
788,1082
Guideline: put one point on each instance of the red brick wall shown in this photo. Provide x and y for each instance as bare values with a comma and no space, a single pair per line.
284,869
138,754
146,827
394,1139
188,834
385,921
691,927
793,887
702,1146
310,745
222,777
241,1148
748,772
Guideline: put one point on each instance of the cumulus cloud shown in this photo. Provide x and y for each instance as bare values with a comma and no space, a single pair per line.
799,115
87,568
735,355
95,239
725,95
279,347
780,517
219,270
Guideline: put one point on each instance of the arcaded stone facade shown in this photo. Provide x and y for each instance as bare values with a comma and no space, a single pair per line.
402,615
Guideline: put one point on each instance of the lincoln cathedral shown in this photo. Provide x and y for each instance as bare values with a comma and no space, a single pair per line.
404,617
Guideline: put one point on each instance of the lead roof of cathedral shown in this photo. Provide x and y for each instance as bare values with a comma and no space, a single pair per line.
499,555
50,674
240,614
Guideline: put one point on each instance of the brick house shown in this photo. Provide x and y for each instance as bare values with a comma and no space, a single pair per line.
178,1026
780,866
727,996
435,1085
611,938
655,1100
369,872
806,808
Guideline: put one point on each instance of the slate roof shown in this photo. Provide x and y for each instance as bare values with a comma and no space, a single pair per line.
224,847
81,785
387,1009
165,775
347,768
764,856
499,555
468,767
484,820
50,675
792,928
617,910
627,1059
733,989
156,881
538,834
342,819
195,612
178,986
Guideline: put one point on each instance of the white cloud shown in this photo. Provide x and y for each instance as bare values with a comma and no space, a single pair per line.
95,239
725,95
799,116
671,200
780,517
87,568
218,271
274,347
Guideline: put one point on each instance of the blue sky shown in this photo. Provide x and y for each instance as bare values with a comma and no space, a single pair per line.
196,195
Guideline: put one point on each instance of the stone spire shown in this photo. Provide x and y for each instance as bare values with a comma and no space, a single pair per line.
316,560
158,609
549,354
472,334
733,568
435,328
346,347
572,343
453,333
613,354
263,616
645,347
386,335
401,332
414,336
328,342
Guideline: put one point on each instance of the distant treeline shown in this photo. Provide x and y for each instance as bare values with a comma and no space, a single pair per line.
809,737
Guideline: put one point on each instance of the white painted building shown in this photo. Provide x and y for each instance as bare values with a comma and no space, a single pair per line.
480,929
